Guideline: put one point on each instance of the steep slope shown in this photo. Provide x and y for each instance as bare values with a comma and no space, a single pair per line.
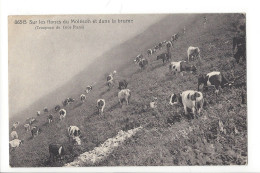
168,137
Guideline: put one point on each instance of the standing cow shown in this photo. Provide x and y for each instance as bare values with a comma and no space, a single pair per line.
74,133
239,48
193,52
50,118
35,131
165,57
100,106
88,89
57,108
124,95
62,113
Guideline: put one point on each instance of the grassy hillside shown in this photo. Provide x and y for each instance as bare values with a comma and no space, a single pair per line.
168,137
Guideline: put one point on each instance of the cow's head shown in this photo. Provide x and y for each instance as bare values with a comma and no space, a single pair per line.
175,99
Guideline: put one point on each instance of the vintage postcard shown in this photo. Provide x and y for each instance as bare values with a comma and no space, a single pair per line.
127,90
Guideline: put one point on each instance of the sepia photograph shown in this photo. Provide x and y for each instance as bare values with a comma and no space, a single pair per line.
127,90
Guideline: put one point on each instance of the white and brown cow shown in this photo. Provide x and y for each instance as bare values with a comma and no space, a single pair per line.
88,89
83,97
62,113
15,144
101,105
124,95
215,79
182,66
193,52
14,135
74,133
189,99
122,84
27,127
56,150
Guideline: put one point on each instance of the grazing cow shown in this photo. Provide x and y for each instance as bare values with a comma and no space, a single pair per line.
50,118
56,150
164,57
143,63
45,110
57,108
38,113
74,133
31,121
110,83
15,125
122,84
14,135
189,99
149,52
27,127
68,101
88,89
138,58
124,95
101,105
82,97
215,79
160,45
174,37
153,103
169,44
62,113
239,48
193,52
15,144
181,66
35,131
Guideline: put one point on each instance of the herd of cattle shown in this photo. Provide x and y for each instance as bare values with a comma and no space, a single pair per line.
191,100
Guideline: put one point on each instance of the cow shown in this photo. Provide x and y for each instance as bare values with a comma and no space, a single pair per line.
165,57
174,37
62,113
181,66
160,45
56,150
57,108
124,95
138,58
216,79
14,135
122,84
35,131
193,52
149,52
100,106
38,113
189,99
50,118
15,144
45,110
143,63
27,127
239,48
68,101
32,120
15,125
110,83
88,89
74,133
82,97
169,44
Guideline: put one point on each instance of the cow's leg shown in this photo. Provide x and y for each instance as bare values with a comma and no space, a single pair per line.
193,112
185,110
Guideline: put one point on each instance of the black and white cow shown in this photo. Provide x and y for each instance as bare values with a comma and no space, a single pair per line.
189,99
122,84
150,52
50,118
193,52
215,79
160,45
27,127
239,48
174,37
88,89
68,101
143,63
164,57
74,133
35,131
62,113
57,108
138,58
56,151
83,97
169,44
124,95
101,105
181,66
45,110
